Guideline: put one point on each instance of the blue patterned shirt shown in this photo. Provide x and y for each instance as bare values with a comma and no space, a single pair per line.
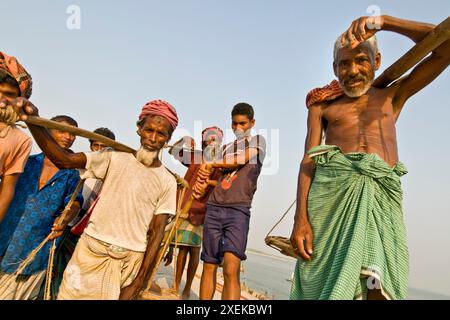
32,213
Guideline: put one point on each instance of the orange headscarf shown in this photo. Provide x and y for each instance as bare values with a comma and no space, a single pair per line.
327,93
11,66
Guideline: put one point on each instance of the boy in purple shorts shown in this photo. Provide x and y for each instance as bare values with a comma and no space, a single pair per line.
228,208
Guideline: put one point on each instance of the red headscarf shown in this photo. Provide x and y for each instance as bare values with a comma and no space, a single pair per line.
160,108
215,130
11,66
327,93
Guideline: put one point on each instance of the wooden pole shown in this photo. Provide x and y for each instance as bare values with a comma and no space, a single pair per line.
434,39
162,250
49,124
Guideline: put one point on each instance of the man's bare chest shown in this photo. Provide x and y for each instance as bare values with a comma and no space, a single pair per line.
365,110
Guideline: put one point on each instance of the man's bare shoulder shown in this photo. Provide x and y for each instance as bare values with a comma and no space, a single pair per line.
318,107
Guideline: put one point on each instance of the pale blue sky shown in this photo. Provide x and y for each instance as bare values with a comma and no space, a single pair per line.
205,56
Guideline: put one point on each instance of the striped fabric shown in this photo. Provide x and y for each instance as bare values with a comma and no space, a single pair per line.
327,93
355,211
189,235
98,271
11,66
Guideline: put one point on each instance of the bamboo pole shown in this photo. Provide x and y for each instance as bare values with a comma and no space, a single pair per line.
49,124
434,39
162,250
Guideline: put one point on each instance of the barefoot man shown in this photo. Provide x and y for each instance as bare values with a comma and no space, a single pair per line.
349,229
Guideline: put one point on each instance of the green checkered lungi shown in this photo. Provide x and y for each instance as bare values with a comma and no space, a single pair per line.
355,211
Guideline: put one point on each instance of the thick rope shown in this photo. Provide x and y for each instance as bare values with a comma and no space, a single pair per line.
177,225
49,273
9,115
33,253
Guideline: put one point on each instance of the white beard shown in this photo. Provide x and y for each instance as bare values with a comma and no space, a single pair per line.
146,157
358,92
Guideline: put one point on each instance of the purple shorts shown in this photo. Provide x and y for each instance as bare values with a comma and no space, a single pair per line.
225,230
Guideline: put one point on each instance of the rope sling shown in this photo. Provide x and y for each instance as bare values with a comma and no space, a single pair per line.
51,257
281,244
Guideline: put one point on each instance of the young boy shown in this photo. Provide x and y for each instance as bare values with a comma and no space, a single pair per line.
227,220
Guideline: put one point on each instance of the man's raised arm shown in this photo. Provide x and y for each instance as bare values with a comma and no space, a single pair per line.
424,73
427,70
60,157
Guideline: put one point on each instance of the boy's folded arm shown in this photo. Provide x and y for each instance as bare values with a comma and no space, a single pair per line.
236,161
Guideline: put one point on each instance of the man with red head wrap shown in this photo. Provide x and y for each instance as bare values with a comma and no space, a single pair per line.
160,108
122,238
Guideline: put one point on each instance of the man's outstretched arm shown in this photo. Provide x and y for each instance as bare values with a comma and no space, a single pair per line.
60,157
